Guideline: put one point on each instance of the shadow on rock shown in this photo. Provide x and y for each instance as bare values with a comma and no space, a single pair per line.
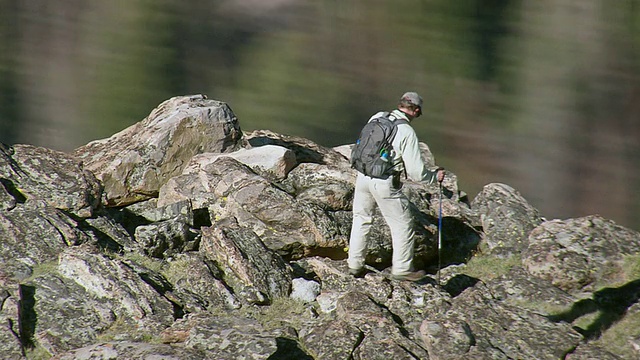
610,303
288,349
459,283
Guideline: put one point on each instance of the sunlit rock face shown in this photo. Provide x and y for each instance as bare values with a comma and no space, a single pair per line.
135,162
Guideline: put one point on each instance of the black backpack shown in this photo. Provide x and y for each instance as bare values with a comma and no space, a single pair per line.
371,155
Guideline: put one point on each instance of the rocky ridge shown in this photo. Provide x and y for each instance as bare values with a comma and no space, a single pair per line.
182,237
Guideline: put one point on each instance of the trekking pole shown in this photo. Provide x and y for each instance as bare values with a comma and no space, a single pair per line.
439,233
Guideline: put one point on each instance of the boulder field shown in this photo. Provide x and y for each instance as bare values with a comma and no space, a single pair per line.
183,237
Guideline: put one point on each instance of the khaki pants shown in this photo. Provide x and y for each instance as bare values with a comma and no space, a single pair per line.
395,209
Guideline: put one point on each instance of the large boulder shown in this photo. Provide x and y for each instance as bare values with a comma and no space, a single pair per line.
582,254
197,285
270,161
229,189
134,163
35,235
87,295
506,218
132,350
304,149
30,174
478,326
257,274
233,337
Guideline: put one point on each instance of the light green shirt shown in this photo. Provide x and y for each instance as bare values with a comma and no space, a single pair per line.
406,151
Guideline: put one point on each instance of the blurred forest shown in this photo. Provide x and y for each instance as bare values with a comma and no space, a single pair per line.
542,95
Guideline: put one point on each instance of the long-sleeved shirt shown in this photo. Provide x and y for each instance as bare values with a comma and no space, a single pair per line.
406,151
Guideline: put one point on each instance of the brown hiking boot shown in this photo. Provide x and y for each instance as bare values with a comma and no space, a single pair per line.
412,276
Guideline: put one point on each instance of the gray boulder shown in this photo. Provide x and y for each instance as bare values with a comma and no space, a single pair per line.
270,161
11,346
88,295
197,285
505,216
163,239
31,174
306,151
233,337
582,254
229,189
35,235
132,351
329,187
257,274
134,163
477,326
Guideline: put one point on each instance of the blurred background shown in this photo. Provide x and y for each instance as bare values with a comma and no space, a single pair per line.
541,95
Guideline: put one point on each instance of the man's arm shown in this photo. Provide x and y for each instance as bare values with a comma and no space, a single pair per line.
412,157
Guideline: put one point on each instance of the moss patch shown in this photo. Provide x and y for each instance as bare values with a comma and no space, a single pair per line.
487,267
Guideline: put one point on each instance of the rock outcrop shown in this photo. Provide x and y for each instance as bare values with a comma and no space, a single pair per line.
181,237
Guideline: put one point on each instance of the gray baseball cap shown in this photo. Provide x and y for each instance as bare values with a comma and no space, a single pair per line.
413,98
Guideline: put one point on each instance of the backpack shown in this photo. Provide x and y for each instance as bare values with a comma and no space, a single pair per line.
371,155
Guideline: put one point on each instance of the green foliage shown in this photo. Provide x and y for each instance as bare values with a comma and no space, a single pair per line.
631,267
143,260
126,329
282,311
42,269
176,270
487,267
37,353
621,335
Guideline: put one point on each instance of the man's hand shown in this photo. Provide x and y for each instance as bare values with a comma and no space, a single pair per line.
440,175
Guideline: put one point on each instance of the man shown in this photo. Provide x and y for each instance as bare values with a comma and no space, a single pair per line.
386,193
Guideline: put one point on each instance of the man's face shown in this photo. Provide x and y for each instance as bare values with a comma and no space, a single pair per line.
418,111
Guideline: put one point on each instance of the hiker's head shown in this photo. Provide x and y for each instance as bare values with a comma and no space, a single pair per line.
411,104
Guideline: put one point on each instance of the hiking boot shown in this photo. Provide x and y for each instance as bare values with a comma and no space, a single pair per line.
412,276
357,273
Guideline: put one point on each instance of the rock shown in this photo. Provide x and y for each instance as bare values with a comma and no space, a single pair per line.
221,337
328,187
151,212
332,339
270,161
229,189
10,342
478,322
581,254
521,289
88,295
134,163
255,272
133,351
163,239
35,235
59,314
306,151
591,352
108,232
505,216
447,339
304,290
197,285
32,174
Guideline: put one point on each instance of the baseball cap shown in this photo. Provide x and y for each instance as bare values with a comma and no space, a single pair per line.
413,98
